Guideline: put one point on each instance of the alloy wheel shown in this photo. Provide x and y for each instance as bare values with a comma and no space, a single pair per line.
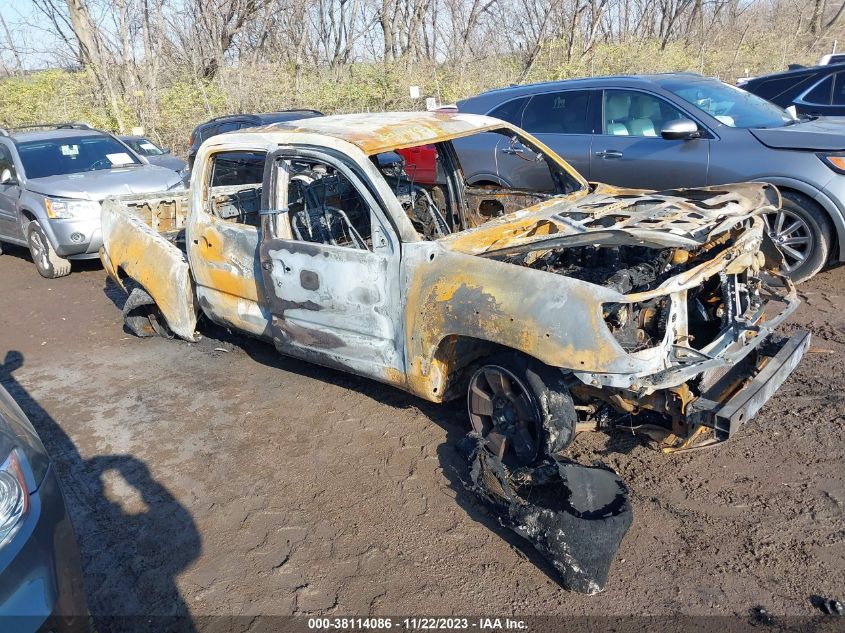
39,249
503,411
792,235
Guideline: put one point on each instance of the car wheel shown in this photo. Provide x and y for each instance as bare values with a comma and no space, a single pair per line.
801,230
142,316
48,263
522,408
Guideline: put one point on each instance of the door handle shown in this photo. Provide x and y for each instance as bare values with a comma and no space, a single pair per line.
609,153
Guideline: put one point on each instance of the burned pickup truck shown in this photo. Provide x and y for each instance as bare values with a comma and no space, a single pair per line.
555,305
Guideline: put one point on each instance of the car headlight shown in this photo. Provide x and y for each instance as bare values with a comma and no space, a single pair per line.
835,161
14,498
69,209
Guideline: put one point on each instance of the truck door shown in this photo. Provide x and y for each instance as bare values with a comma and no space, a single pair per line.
223,241
330,265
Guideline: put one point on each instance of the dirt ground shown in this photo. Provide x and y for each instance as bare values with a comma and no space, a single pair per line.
221,478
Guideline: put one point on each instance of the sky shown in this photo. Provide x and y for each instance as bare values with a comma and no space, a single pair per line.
28,28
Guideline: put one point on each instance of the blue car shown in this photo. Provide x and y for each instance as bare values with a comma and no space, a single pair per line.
40,567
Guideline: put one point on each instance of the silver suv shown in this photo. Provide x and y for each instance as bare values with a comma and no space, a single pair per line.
52,180
681,130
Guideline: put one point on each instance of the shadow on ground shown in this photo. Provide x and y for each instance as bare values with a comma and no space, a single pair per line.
451,416
131,552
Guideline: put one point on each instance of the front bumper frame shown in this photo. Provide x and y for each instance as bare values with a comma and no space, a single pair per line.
776,361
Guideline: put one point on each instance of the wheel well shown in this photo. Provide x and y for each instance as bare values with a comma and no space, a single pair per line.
29,215
457,356
487,181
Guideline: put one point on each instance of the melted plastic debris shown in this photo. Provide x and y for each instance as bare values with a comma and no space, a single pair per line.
574,515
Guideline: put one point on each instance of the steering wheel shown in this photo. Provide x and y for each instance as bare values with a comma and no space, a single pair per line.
97,164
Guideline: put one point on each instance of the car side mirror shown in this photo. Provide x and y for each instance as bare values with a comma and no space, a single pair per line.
680,130
7,178
166,151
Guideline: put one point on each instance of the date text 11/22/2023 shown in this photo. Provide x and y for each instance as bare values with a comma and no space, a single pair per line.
417,623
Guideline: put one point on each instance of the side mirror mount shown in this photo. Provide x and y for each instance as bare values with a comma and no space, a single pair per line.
680,130
166,150
7,178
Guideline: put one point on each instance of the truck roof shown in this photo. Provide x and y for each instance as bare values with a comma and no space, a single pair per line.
378,132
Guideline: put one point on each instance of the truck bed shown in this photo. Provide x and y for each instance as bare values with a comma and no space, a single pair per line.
165,213
144,239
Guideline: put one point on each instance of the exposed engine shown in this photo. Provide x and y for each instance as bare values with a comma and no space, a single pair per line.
635,269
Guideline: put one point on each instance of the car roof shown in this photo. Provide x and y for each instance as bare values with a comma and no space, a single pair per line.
262,117
45,135
374,133
821,71
499,95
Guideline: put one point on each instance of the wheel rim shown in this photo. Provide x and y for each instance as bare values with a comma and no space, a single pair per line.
39,249
503,411
792,235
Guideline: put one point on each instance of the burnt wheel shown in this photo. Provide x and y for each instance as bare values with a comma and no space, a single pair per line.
522,408
142,316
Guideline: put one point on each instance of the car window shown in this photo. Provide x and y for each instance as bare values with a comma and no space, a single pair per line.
510,111
324,207
144,147
235,185
73,155
558,113
6,161
728,104
634,113
220,128
820,93
838,89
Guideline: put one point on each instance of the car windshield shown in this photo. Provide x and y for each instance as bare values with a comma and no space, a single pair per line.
144,147
731,106
73,155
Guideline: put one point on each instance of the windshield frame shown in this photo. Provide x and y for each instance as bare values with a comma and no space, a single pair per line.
22,146
673,87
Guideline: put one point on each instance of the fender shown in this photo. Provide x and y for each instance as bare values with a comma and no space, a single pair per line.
131,245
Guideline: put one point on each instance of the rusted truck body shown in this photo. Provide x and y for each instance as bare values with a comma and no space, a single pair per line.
554,305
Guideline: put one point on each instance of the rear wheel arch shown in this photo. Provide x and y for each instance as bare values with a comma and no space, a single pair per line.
141,314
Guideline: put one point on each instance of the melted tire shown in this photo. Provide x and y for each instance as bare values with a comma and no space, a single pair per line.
142,316
557,414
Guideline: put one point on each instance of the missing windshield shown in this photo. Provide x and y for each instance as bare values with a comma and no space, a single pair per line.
443,187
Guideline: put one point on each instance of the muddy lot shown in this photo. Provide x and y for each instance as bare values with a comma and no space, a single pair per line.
220,478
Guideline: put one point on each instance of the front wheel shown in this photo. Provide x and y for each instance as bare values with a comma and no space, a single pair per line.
522,408
47,261
802,232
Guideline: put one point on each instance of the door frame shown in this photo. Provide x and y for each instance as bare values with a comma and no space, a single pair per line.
275,226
